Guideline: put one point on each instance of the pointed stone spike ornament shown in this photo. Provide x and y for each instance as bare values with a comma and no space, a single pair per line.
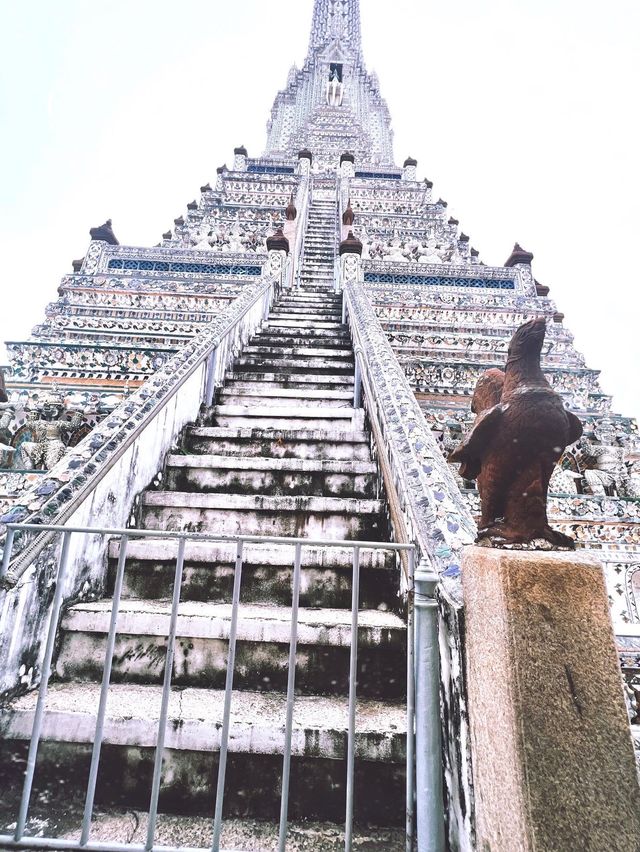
351,245
521,430
278,242
518,255
104,233
291,212
348,217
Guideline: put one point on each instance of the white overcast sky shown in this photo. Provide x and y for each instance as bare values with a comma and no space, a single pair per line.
523,113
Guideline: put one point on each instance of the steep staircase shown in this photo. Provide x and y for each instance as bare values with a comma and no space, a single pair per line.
319,244
285,454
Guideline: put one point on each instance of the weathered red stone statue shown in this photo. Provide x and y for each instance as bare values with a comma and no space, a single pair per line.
520,432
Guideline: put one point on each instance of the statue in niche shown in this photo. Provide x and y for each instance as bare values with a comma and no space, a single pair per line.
602,462
632,488
521,430
3,389
564,480
7,414
47,435
335,89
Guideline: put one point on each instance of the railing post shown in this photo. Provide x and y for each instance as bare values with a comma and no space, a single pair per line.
357,379
277,264
411,704
429,803
210,388
6,554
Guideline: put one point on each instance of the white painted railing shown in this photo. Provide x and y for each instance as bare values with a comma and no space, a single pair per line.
303,203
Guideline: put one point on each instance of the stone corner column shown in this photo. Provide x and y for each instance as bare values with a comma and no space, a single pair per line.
240,157
347,165
305,161
553,762
410,169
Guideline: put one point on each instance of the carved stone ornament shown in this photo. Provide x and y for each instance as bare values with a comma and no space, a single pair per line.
3,390
348,217
291,212
520,432
104,233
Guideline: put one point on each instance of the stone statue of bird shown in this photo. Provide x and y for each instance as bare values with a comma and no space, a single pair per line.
520,432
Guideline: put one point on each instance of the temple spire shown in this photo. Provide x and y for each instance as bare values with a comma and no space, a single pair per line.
335,20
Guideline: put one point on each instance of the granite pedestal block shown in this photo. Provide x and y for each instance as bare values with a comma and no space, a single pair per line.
553,761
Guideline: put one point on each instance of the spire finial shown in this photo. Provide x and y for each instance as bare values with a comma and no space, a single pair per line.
335,19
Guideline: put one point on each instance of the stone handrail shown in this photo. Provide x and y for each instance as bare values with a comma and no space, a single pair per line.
439,523
436,514
303,203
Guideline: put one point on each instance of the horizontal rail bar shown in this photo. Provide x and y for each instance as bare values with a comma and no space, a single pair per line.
7,842
256,539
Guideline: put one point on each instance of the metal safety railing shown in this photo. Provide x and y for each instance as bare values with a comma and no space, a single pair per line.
20,840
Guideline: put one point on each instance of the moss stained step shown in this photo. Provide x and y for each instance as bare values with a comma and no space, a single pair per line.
329,518
326,573
236,474
307,443
195,717
277,397
262,653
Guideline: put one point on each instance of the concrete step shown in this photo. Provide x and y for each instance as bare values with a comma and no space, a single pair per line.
284,443
189,775
263,349
314,291
255,382
292,298
239,475
264,631
341,332
280,319
283,307
272,363
267,573
123,826
286,397
326,518
306,338
285,417
195,715
323,314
